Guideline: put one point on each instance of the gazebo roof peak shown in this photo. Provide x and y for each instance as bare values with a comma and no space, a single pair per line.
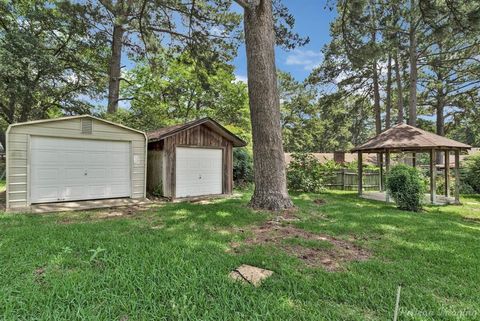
403,137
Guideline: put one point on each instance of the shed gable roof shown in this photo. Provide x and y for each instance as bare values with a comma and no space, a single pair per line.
162,133
406,137
66,118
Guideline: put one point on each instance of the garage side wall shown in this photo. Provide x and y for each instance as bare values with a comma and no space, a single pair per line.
18,141
200,136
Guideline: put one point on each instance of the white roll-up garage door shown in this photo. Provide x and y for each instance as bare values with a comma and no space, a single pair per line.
198,171
78,169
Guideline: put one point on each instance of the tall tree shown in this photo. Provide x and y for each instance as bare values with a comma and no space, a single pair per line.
261,35
206,28
177,89
50,63
268,156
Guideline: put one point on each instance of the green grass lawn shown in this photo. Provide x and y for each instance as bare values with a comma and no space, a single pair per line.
172,262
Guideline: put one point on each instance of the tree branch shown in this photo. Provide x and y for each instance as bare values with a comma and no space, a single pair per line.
248,4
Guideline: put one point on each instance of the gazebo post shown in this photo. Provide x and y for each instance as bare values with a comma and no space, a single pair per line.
457,176
360,173
433,177
447,173
381,173
414,160
387,171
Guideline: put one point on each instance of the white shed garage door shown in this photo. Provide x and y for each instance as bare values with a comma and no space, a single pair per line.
198,171
78,169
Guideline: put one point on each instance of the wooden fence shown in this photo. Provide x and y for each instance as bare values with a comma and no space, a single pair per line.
347,179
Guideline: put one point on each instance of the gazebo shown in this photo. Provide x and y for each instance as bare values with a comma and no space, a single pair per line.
405,138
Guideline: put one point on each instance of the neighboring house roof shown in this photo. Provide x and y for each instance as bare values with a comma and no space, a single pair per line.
403,137
325,157
162,133
72,117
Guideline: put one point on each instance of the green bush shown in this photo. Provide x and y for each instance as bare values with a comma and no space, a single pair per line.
242,167
472,172
305,174
406,186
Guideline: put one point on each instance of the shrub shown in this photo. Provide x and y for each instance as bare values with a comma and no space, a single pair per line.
305,174
242,167
407,187
472,172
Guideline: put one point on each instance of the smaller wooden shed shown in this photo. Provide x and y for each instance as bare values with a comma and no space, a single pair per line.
191,160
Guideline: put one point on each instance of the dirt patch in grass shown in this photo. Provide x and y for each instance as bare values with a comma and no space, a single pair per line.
471,219
315,250
320,201
106,214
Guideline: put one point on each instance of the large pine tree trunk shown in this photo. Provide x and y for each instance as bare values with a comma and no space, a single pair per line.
114,72
412,103
398,78
376,100
388,102
268,156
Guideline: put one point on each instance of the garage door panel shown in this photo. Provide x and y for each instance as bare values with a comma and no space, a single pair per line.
74,191
47,174
89,172
74,173
97,191
119,189
49,193
44,156
198,171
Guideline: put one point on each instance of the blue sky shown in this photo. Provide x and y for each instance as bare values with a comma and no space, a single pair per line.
313,20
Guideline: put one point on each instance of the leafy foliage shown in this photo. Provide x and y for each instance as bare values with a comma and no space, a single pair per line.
472,172
49,61
242,167
177,90
407,187
305,174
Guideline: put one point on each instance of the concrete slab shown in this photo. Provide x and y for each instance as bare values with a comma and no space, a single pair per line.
250,274
381,196
82,205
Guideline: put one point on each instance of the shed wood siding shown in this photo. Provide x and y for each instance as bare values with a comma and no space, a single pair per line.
18,152
154,169
199,136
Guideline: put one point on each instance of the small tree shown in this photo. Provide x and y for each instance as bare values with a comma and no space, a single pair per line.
305,173
242,167
407,187
472,172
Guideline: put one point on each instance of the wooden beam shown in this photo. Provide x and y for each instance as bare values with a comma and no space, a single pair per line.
381,173
433,177
447,174
457,177
387,171
360,173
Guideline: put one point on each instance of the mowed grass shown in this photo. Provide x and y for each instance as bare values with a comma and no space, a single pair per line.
172,263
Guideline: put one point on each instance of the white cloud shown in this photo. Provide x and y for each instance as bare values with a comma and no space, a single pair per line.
240,78
308,59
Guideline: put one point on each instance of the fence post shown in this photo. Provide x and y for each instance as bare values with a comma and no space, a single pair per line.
343,178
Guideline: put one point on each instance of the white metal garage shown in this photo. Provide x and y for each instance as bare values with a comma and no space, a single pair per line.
73,158
198,171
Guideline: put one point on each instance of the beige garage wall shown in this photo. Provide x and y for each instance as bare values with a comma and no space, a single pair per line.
18,138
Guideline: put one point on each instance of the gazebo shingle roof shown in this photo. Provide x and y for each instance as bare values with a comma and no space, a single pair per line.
403,137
